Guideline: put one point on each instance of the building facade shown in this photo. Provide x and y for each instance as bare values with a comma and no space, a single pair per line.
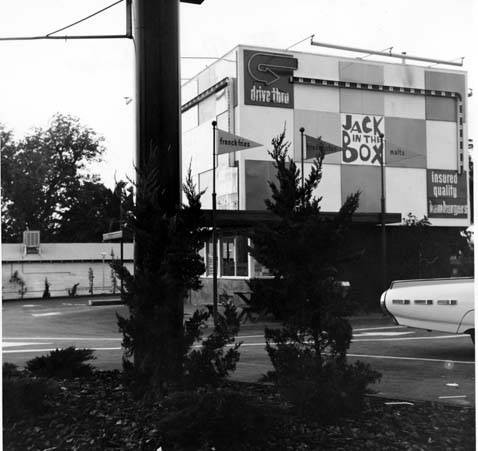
418,114
63,265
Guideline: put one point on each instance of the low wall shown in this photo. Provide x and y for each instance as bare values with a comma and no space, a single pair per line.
61,277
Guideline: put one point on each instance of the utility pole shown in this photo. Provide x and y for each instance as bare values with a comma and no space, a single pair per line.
156,37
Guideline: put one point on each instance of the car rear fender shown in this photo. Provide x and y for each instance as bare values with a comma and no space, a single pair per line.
467,322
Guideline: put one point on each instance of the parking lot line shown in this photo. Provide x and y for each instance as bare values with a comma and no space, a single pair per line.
452,397
379,328
64,338
46,314
26,351
419,359
21,343
435,337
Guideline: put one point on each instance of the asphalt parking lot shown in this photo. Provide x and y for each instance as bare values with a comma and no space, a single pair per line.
415,364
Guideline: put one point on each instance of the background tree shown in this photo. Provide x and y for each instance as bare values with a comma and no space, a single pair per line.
46,186
303,251
95,209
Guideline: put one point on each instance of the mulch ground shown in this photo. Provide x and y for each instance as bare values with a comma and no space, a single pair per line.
99,413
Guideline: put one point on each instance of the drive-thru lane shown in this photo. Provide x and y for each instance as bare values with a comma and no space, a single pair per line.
415,364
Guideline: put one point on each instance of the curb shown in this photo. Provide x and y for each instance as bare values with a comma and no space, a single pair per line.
98,302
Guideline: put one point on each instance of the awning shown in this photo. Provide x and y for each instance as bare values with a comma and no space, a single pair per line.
249,218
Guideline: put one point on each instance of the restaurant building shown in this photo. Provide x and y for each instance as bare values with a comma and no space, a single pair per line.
417,113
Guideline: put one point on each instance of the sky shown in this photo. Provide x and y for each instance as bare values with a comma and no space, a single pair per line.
94,79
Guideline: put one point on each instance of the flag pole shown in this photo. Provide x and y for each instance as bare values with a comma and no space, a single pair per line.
302,129
214,247
382,214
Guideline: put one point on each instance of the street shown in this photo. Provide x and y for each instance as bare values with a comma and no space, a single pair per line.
415,364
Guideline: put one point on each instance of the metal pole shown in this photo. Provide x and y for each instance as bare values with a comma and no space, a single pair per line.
214,247
122,262
129,19
302,129
121,242
382,217
390,54
103,268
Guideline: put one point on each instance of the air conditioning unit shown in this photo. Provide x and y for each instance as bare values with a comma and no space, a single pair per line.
31,241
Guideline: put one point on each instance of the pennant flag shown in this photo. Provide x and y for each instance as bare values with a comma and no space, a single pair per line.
227,142
315,146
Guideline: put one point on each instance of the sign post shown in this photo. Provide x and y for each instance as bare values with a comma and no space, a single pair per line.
302,129
226,143
214,246
111,236
382,213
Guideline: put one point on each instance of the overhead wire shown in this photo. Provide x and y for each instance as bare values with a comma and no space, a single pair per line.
299,42
85,18
50,35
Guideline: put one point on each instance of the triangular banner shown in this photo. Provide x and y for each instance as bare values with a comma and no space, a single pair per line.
228,142
315,146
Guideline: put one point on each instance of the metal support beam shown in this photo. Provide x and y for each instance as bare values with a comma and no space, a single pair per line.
402,56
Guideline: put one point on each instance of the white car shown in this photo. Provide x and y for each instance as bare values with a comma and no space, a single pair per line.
444,305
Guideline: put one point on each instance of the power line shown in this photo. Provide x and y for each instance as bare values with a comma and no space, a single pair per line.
207,58
85,18
49,35
302,40
38,38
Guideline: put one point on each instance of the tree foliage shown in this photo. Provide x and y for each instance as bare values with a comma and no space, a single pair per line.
303,251
46,187
167,266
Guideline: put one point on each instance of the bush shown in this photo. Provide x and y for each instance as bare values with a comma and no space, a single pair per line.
216,418
63,363
10,370
46,292
210,363
324,388
24,395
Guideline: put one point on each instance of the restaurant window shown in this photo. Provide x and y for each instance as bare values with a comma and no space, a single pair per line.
233,256
227,256
242,257
208,261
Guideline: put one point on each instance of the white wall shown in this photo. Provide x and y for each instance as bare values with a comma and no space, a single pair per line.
404,76
441,145
261,124
329,187
316,98
406,191
405,105
61,276
316,66
197,149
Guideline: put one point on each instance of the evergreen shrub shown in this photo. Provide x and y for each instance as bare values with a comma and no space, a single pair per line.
24,395
304,252
324,389
215,418
63,363
209,363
